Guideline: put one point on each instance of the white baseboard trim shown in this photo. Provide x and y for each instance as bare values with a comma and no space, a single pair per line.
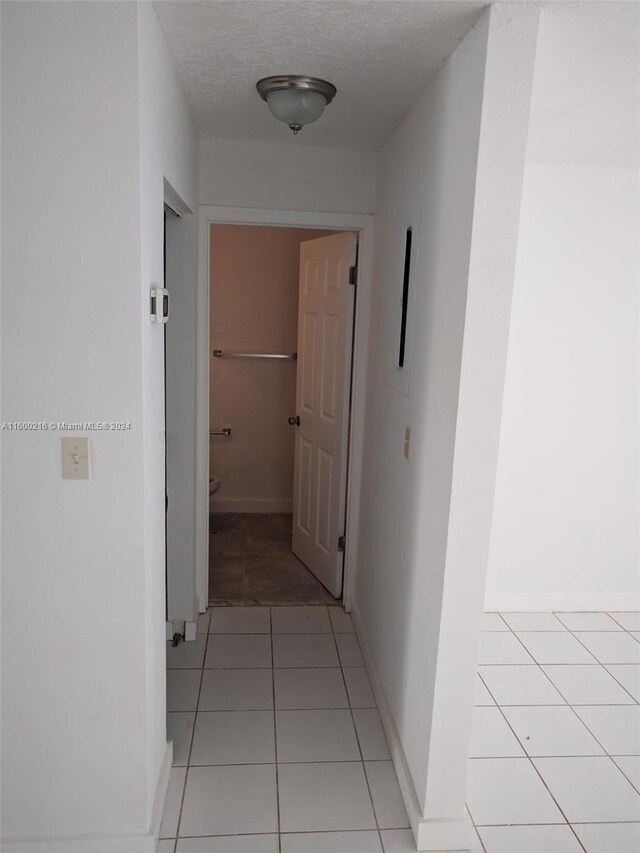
161,794
146,843
242,505
435,836
579,602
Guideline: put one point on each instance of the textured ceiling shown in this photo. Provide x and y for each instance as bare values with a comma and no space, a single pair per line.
378,53
586,96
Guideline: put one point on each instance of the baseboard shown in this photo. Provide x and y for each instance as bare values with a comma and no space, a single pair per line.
436,836
111,844
240,505
107,844
161,794
579,602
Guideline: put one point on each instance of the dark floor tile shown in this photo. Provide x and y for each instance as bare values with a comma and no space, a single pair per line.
265,546
282,593
225,592
226,576
231,541
268,534
281,566
228,566
251,562
224,521
268,522
279,578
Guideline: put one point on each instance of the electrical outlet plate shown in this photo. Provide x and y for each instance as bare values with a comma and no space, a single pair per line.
75,458
407,442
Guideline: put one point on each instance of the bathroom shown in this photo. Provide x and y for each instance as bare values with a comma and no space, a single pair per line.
270,542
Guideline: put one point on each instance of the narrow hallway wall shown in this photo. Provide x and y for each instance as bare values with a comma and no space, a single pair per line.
85,760
426,514
72,352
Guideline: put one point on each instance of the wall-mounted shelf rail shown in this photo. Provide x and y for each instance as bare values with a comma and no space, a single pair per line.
218,353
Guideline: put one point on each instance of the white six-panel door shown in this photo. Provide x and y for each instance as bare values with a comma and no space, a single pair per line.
325,323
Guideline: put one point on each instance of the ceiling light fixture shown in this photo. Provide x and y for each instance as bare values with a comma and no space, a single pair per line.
296,100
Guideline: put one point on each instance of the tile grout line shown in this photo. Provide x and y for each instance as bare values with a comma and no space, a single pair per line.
275,734
209,634
558,823
627,630
478,836
193,733
634,700
568,704
355,729
633,784
540,667
528,757
342,668
604,665
468,810
607,753
320,761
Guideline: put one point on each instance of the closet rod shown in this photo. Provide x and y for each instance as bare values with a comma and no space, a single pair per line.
218,353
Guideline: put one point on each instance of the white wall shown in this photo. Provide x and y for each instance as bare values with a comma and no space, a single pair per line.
425,521
565,532
286,176
83,578
168,153
73,551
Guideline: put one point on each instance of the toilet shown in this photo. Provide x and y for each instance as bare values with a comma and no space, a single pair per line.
214,485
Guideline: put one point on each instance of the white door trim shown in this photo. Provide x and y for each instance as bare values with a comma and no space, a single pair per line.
363,224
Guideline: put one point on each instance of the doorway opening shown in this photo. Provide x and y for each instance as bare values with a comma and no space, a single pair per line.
281,331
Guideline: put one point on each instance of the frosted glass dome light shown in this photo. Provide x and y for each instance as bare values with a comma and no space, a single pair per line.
294,100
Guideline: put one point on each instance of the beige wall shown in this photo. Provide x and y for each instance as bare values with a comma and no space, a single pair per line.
254,308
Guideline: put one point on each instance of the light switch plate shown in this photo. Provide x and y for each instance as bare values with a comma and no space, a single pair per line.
76,458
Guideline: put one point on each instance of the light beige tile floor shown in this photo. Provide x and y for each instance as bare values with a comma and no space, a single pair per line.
280,746
555,751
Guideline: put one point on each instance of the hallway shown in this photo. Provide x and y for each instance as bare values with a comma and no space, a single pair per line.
288,748
286,723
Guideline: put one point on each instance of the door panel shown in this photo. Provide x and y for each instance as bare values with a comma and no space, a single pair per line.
325,323
307,361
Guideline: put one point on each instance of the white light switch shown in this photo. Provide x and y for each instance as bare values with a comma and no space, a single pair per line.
75,458
407,442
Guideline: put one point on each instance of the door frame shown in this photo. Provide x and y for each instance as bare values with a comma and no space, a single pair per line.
362,224
180,412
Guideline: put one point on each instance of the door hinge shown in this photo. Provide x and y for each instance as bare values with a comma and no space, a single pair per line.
353,275
342,544
159,304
